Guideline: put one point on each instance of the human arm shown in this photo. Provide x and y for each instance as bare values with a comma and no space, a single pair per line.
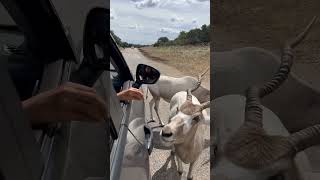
66,103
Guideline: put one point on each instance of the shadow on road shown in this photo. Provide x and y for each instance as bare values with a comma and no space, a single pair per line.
167,174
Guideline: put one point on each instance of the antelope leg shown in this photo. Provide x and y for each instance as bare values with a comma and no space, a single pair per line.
180,168
156,108
151,103
189,176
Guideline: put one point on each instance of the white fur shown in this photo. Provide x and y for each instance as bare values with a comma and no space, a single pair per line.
166,87
195,141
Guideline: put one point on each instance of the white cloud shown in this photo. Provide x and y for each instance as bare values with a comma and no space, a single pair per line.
169,30
140,4
113,14
167,18
132,27
175,18
135,26
146,3
196,1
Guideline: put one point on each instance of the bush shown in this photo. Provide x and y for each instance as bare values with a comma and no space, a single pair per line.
193,37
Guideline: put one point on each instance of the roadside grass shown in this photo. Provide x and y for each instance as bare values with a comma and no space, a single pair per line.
191,60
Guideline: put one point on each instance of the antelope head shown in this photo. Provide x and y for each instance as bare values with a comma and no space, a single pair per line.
250,153
185,121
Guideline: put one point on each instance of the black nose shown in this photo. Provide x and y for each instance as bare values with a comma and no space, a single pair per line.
166,134
166,131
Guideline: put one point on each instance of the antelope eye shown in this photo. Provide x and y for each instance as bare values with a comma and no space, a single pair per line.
196,119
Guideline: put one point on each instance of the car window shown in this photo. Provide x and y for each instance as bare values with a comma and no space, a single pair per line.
24,73
113,71
5,18
8,39
115,75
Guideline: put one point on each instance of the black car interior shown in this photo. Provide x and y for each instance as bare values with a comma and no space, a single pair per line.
41,62
44,59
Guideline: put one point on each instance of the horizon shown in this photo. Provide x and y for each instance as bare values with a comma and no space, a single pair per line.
145,21
158,37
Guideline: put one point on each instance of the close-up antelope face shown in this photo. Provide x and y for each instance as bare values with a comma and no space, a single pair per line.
183,123
251,152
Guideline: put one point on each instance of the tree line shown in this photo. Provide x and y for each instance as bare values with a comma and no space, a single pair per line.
124,44
193,37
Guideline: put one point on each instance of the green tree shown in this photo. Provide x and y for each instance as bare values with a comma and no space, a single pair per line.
181,39
204,36
194,36
162,41
116,38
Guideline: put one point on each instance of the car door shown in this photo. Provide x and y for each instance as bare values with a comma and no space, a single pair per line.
129,158
20,156
42,153
26,155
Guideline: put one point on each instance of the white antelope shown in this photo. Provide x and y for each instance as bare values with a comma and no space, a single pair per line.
168,86
249,147
184,131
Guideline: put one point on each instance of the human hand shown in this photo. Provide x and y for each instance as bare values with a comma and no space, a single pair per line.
130,94
66,103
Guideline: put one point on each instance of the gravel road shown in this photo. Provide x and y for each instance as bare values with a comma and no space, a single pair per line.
162,165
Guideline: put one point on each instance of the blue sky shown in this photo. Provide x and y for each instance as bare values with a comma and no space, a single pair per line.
144,21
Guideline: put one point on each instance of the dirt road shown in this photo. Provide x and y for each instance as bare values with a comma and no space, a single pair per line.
162,166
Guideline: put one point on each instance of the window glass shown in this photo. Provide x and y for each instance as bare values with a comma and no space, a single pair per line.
117,80
25,75
113,71
5,17
8,39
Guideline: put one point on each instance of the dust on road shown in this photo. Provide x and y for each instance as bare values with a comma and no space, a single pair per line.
162,166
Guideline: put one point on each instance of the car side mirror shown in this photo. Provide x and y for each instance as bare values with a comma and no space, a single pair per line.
145,75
